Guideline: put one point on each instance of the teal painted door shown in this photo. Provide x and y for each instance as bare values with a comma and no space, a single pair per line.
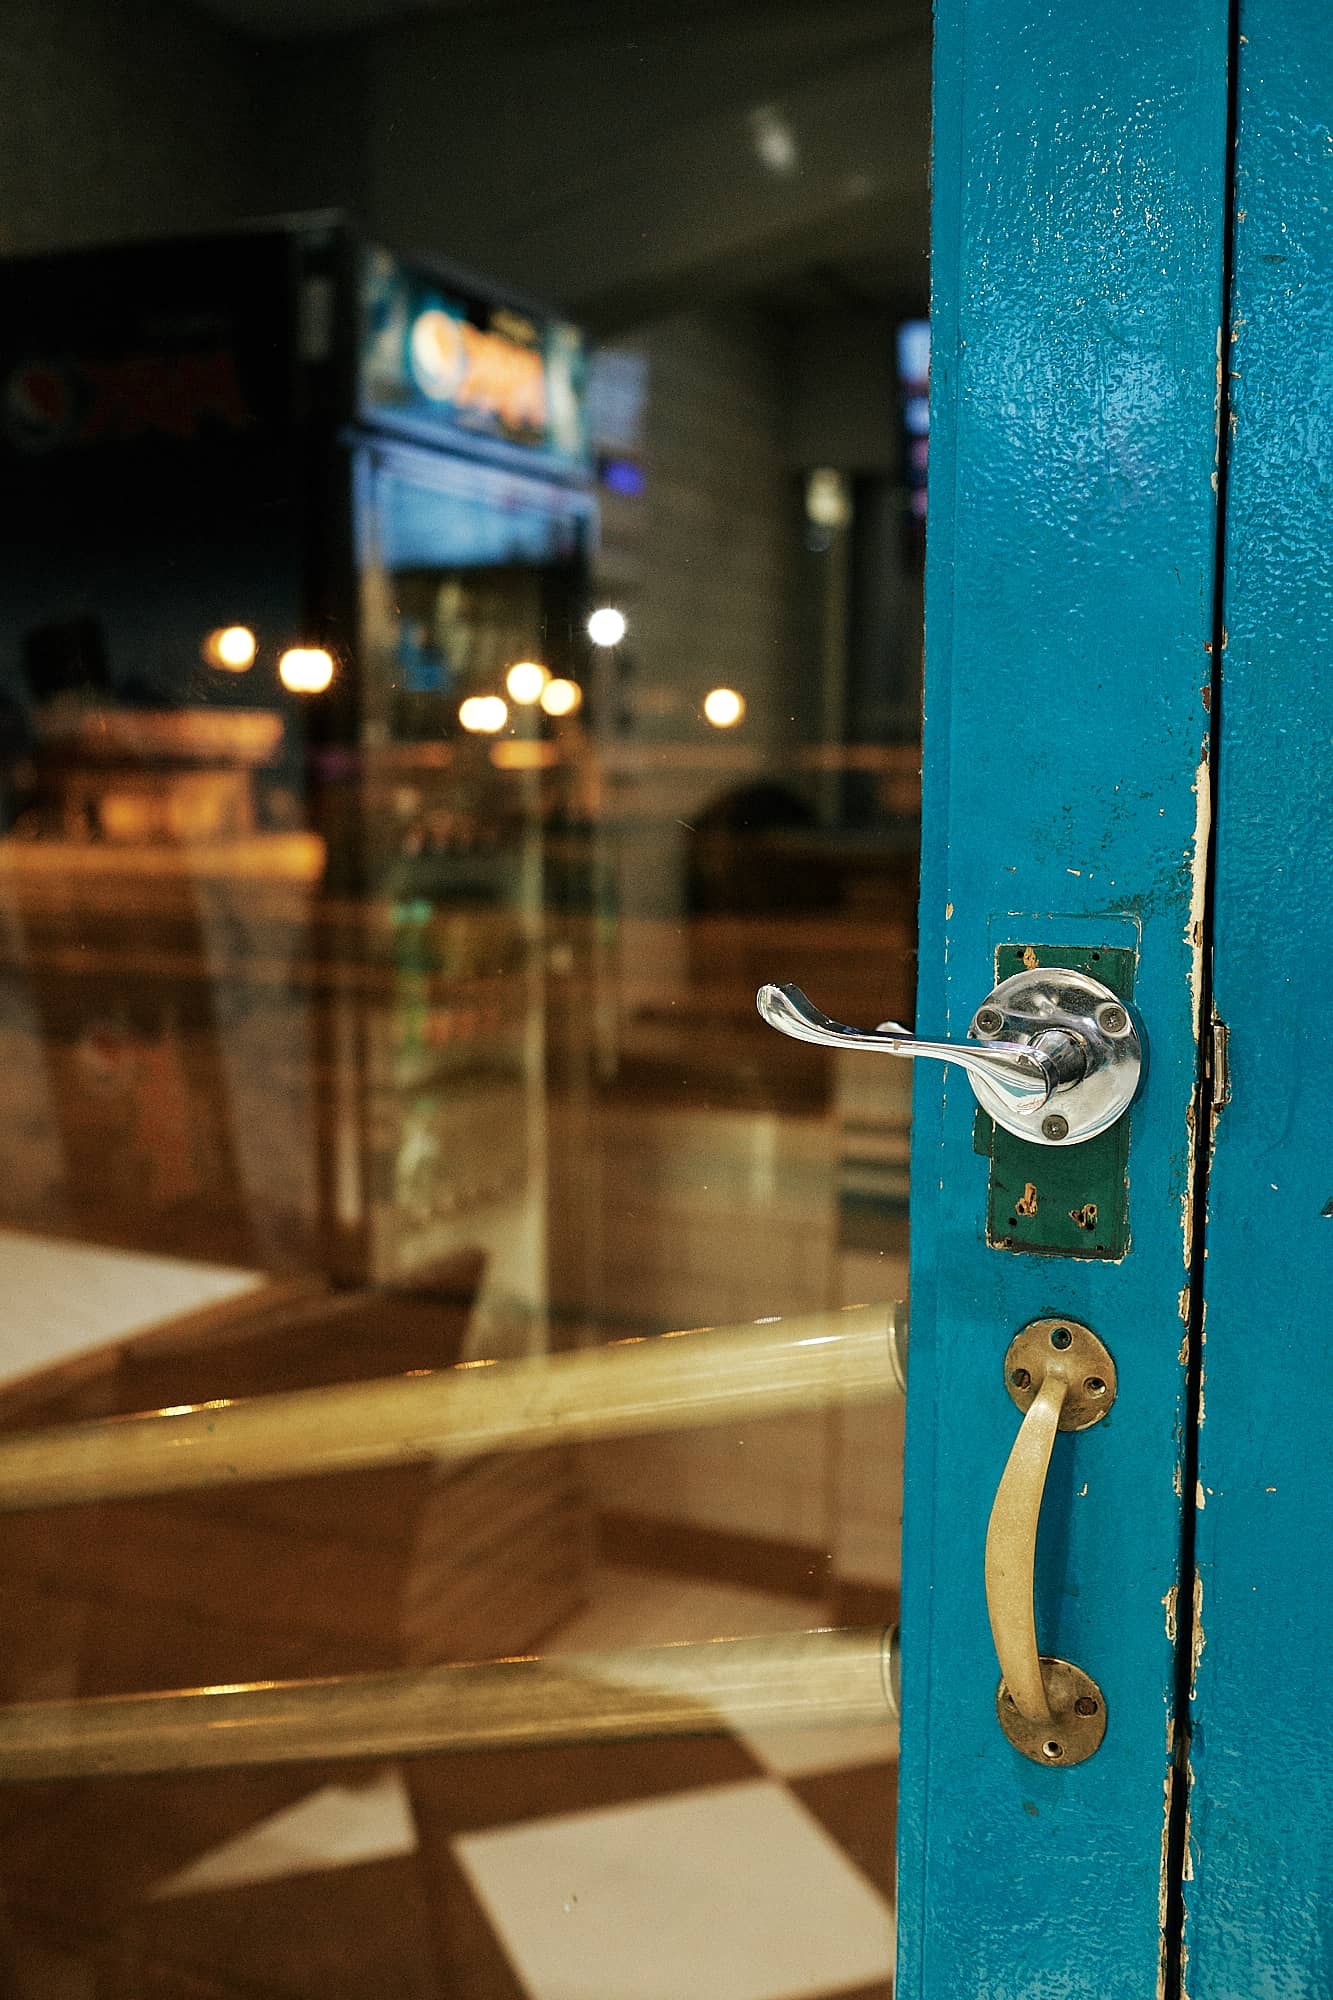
1259,1904
1128,745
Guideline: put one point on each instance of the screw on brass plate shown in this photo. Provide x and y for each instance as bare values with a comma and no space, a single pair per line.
1076,1355
1073,1729
1112,1020
989,1021
1054,1126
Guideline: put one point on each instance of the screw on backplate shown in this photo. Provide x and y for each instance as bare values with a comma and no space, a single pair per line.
989,1021
1053,1750
1094,1385
1085,1705
1061,1337
1021,1379
1113,1020
1054,1126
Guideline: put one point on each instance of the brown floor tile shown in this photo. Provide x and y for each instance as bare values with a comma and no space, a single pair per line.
98,1848
358,1933
471,1963
859,1807
460,1794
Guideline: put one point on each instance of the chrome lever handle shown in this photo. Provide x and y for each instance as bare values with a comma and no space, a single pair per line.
1054,1056
1026,1074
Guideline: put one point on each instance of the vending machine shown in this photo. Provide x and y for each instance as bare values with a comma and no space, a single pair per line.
280,515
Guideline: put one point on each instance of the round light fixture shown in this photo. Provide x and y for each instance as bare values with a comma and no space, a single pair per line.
525,682
306,669
483,714
607,626
724,708
231,647
561,697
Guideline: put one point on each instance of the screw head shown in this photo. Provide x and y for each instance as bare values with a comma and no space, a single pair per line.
1021,1378
1054,1126
989,1021
1112,1020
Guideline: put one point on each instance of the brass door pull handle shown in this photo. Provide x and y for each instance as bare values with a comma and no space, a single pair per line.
1063,1379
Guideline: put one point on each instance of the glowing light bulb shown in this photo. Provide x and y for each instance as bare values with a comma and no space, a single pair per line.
607,626
483,714
305,669
525,682
231,647
562,697
724,707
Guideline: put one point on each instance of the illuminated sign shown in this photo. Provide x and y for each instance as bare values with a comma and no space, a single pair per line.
84,401
447,362
914,396
456,362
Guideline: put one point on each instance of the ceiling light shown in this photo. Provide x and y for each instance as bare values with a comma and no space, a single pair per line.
607,626
483,714
724,707
306,669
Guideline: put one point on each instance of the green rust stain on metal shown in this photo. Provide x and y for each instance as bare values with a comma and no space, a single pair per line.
1060,1201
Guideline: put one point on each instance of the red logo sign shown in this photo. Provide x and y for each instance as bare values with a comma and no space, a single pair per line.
53,403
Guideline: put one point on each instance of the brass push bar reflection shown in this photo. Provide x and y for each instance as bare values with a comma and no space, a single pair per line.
715,1375
798,1679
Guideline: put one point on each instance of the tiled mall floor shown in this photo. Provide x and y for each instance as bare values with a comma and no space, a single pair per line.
736,1868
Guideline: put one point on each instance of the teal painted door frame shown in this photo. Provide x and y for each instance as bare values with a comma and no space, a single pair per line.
1129,747
1079,241
1259,1898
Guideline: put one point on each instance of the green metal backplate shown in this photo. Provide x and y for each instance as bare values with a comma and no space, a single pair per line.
1060,1201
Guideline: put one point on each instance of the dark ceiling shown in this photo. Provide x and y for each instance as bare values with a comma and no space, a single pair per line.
621,157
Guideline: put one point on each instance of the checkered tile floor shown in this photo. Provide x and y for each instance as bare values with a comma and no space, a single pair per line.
744,1868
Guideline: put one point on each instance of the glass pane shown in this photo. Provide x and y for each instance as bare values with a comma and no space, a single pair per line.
456,645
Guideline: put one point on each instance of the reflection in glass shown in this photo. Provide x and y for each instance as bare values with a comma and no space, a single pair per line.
426,717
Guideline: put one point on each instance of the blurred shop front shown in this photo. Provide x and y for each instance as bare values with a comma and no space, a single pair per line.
427,715
280,509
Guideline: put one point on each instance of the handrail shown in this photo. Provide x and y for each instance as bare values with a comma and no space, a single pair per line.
818,1679
670,1381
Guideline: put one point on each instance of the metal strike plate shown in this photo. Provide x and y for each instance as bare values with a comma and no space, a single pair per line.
1060,1201
1077,1722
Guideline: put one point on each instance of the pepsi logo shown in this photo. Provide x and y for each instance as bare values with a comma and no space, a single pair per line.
39,406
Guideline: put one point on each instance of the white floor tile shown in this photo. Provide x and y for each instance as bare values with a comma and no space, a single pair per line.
60,1299
631,1607
336,1827
732,1891
641,1608
801,1753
